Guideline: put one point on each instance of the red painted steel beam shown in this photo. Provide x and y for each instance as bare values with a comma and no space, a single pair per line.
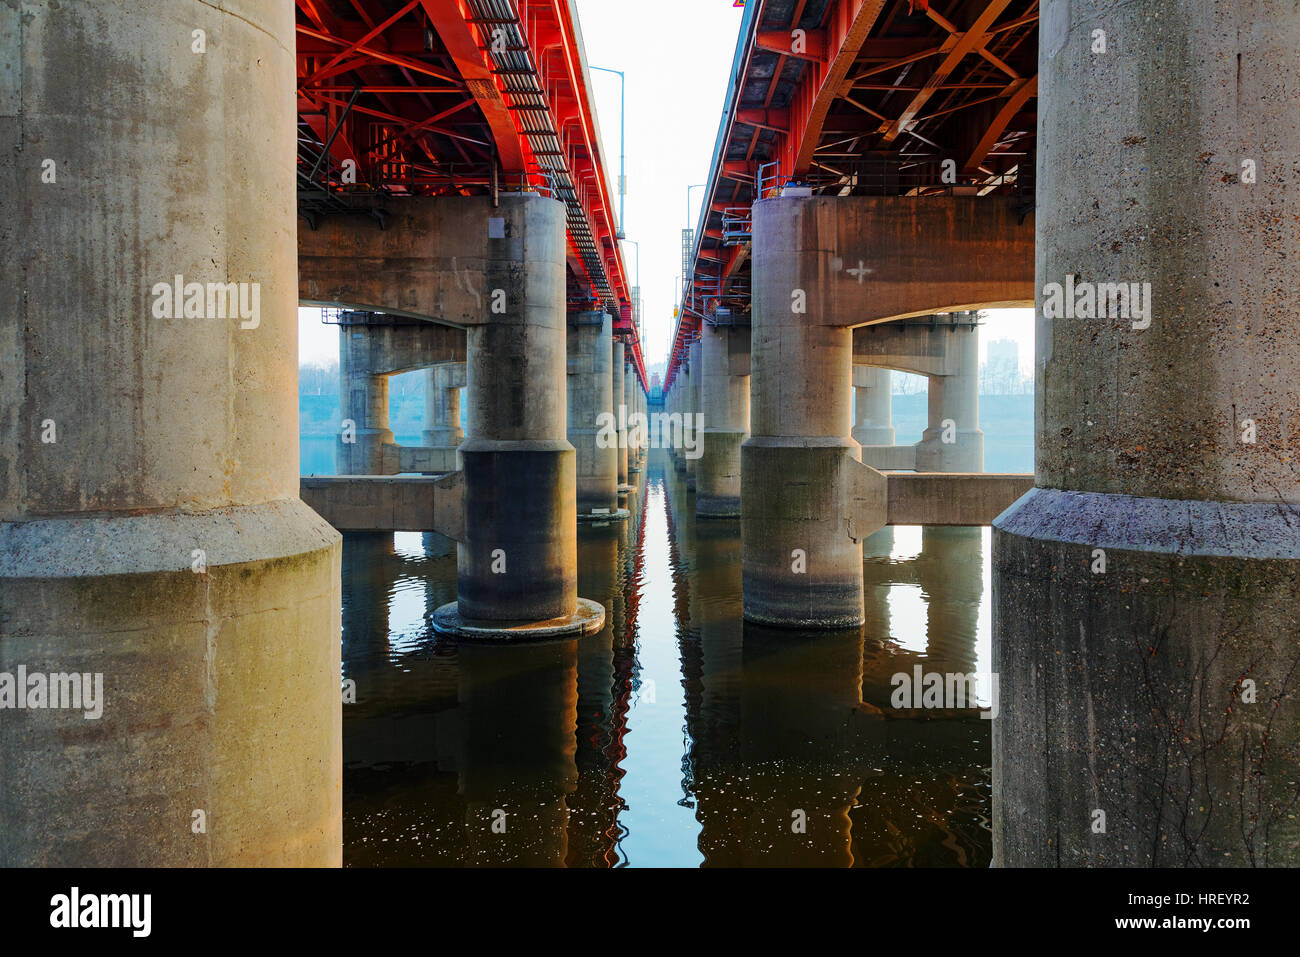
586,165
847,24
451,20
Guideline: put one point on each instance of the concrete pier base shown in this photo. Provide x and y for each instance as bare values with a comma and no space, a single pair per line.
587,619
590,408
807,501
517,560
724,368
1158,692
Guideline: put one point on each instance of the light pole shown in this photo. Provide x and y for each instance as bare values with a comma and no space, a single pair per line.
637,244
622,142
688,239
688,201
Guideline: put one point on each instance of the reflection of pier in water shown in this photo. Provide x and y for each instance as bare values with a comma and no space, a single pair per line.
448,739
791,728
779,727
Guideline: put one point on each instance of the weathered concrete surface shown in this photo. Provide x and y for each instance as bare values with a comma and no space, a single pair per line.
886,457
430,262
1129,691
158,539
920,345
694,400
807,501
910,257
932,498
591,403
724,397
420,458
618,372
373,503
517,561
408,503
680,399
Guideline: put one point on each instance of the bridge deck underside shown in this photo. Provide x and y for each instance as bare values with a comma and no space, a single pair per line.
904,98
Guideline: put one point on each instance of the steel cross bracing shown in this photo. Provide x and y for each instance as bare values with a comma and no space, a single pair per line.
459,97
862,97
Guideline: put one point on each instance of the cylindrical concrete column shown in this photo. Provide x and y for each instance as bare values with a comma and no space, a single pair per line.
153,548
363,405
442,407
690,421
517,561
798,475
629,409
1145,592
952,440
592,415
672,406
725,406
682,408
873,406
618,371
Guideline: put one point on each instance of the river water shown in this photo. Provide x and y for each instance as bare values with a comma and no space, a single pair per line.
679,735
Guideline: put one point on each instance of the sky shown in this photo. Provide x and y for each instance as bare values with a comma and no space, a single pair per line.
676,55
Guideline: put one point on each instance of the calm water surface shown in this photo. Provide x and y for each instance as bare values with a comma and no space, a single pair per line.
678,736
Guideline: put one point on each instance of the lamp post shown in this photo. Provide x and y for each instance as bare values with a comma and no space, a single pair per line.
688,200
686,250
622,142
637,244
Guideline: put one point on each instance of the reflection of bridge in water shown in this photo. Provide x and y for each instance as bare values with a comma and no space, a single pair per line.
598,756
453,203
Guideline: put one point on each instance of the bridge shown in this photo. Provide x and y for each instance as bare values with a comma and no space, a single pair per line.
442,173
886,168
435,139
441,190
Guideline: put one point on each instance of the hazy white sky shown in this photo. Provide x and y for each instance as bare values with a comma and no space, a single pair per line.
676,55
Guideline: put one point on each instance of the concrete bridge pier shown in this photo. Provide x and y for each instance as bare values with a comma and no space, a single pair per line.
517,561
693,409
629,401
442,405
1145,592
873,406
363,406
643,406
638,407
152,541
952,440
591,403
682,407
619,370
724,374
807,501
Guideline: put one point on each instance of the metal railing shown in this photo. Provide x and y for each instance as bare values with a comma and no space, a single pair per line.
916,178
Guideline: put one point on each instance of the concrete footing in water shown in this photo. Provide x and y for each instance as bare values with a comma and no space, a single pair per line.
1145,593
